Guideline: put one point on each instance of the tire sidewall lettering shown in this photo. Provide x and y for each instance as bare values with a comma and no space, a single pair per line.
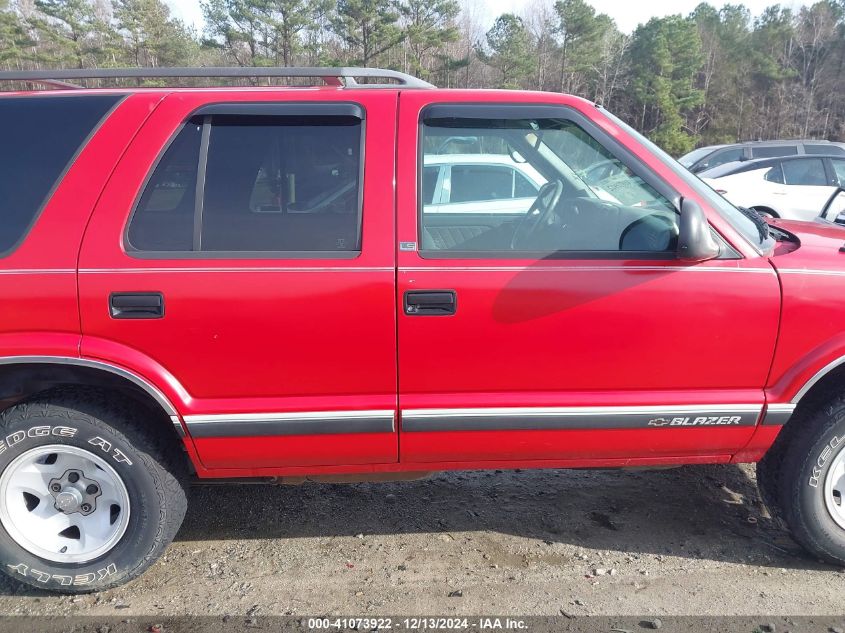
15,438
63,579
107,447
819,466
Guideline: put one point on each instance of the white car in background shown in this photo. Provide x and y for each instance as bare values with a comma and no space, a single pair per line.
478,183
791,187
496,183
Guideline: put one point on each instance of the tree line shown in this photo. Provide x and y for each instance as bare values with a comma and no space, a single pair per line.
715,75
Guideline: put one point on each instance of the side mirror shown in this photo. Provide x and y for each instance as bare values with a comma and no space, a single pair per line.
695,241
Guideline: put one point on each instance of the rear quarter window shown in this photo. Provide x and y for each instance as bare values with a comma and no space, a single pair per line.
41,136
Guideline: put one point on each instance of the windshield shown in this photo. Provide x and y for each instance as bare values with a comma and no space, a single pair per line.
688,160
747,223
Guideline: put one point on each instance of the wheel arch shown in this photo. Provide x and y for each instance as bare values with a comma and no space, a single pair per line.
826,379
23,377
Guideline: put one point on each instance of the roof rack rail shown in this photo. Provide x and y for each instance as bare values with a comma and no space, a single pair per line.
342,76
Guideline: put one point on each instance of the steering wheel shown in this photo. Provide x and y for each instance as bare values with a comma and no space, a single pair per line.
541,211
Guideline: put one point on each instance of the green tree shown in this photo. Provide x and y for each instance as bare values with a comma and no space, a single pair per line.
288,19
13,36
510,50
581,33
429,26
726,75
666,59
241,28
77,34
152,37
367,27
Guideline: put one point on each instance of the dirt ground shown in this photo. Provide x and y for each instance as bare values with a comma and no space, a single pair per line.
693,540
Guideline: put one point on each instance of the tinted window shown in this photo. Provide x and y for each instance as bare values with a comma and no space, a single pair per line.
590,200
804,172
39,137
839,170
828,148
721,158
688,160
474,183
272,184
429,184
775,174
773,151
523,188
164,219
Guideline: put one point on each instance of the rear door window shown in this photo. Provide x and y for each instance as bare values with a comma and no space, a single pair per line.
266,184
807,172
39,139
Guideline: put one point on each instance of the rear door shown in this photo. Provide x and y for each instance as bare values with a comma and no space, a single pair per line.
574,337
240,253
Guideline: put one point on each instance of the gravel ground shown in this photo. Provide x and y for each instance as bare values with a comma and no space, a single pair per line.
688,541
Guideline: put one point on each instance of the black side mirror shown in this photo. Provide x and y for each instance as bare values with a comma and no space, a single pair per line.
695,241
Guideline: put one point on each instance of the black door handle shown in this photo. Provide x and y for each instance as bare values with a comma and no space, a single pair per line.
136,305
430,302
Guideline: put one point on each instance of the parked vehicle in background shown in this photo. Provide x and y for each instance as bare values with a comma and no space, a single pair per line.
480,183
714,155
834,209
378,282
795,187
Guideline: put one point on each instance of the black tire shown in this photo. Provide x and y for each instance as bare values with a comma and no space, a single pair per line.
792,477
149,467
768,480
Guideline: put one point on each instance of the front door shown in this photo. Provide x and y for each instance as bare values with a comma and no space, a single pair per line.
241,254
568,331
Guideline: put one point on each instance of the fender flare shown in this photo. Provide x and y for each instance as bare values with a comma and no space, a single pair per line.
142,383
815,378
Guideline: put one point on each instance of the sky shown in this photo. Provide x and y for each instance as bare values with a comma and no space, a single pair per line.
627,13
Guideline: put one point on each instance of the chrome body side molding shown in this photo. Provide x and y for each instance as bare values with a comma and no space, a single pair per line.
559,418
778,414
300,423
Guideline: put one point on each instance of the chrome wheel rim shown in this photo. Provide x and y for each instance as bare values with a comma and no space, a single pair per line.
63,503
834,489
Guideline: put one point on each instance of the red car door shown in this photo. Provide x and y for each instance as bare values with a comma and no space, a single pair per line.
567,330
241,261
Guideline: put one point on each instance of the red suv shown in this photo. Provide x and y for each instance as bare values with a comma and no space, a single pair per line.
267,282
